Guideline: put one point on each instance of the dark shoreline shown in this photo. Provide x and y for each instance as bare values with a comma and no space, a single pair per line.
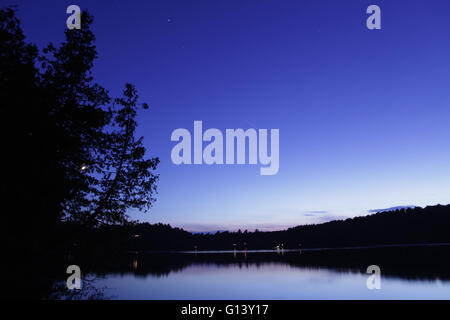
292,250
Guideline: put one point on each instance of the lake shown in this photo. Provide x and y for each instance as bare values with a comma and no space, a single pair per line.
417,272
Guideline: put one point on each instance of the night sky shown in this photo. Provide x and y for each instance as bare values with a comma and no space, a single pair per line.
364,115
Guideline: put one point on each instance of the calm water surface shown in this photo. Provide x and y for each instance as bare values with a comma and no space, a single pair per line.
407,274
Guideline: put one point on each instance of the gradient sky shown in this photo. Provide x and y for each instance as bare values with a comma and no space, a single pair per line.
364,115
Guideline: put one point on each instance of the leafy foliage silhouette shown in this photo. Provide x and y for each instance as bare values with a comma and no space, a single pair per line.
86,163
70,150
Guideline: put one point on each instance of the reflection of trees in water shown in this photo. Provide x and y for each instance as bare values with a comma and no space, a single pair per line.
407,263
411,263
89,291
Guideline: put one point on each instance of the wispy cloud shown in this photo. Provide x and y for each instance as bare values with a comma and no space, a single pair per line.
316,217
315,213
212,228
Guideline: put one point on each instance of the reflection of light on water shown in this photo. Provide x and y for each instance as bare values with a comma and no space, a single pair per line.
225,275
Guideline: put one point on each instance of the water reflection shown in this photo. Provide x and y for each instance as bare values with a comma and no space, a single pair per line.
408,273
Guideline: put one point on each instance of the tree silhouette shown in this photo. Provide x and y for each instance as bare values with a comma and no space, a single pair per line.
131,184
398,227
72,150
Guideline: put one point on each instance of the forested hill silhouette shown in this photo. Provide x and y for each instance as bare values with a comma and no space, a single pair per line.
403,226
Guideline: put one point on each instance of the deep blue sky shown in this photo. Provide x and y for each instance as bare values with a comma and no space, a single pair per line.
364,116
